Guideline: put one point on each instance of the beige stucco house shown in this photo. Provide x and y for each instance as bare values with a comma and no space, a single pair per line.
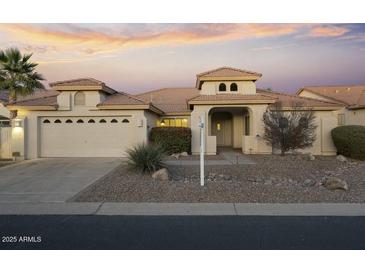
86,118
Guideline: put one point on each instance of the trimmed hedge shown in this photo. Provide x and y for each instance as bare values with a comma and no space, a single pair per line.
172,139
350,141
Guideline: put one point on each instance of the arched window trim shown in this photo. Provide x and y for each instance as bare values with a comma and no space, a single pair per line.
125,121
79,98
222,87
233,87
46,121
91,121
69,121
114,121
102,121
80,121
57,121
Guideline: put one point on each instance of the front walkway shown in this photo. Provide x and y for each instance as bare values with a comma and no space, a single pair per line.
231,157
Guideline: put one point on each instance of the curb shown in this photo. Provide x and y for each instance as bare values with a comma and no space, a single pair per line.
182,209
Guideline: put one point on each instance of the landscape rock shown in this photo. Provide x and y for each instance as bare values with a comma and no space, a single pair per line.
175,155
310,157
161,175
227,177
333,183
341,158
308,183
184,154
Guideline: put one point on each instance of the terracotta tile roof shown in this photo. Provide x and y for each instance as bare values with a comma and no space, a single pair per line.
288,99
38,98
122,98
351,95
228,71
82,82
170,100
360,103
225,74
230,97
78,82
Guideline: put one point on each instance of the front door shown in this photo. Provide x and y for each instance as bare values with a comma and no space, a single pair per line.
222,128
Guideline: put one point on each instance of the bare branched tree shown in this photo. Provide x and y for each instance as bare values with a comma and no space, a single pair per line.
288,129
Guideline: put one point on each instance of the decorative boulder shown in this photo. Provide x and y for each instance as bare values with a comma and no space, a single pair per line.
184,154
333,183
161,175
308,183
175,155
310,157
341,158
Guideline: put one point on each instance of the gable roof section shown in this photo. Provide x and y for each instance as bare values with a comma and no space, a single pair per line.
228,99
360,102
287,100
352,95
122,100
40,98
82,84
170,100
226,73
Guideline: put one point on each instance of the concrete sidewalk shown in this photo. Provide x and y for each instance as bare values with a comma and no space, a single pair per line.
183,209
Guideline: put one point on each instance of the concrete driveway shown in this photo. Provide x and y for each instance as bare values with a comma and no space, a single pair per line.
51,179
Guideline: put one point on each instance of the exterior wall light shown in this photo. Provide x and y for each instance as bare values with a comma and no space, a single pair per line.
17,123
162,123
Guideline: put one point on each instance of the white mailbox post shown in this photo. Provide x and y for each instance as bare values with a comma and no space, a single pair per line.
202,148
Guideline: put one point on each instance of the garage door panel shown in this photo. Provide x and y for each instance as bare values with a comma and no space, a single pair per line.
86,139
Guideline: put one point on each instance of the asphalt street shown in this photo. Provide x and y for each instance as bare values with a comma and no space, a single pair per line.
181,232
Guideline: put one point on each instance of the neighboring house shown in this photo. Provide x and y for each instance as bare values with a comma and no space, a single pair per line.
5,129
4,112
352,97
85,117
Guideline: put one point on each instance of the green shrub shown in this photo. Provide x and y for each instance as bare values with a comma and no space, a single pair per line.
350,141
172,139
145,158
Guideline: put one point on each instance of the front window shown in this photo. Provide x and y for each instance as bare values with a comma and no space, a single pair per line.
303,121
79,98
173,122
233,87
222,87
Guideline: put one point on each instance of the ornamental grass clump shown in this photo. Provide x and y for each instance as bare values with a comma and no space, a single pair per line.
145,158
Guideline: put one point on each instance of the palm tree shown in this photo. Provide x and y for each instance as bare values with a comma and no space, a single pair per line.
17,74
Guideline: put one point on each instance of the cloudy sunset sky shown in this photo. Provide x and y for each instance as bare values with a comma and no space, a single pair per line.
141,57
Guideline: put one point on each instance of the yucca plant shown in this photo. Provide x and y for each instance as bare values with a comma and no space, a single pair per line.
145,158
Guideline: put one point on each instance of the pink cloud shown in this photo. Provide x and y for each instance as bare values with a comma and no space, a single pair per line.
328,31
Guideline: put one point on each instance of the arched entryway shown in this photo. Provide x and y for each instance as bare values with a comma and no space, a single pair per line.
229,125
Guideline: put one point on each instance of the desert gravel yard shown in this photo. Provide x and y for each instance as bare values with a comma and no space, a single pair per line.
273,179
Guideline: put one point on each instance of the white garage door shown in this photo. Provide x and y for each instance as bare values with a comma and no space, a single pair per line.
86,137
